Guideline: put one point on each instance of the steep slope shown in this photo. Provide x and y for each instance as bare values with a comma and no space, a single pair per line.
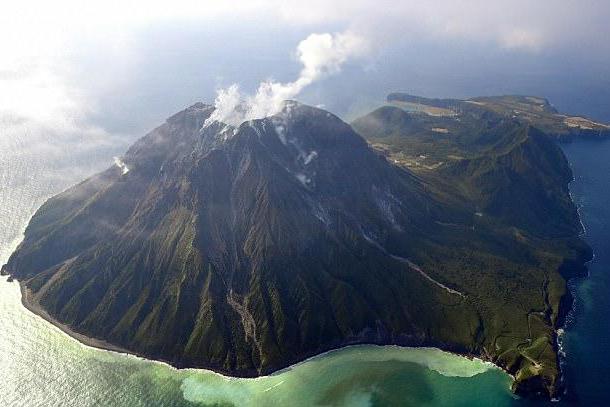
514,180
242,249
245,249
499,164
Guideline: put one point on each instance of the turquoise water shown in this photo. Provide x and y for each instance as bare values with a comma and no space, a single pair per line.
42,366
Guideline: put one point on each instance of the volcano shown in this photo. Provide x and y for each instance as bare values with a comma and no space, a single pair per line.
245,249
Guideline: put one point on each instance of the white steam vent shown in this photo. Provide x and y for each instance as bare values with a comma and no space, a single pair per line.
320,55
119,163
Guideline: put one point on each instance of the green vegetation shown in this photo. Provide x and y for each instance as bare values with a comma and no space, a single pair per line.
520,243
529,110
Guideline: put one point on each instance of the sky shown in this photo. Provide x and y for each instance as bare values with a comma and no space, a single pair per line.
109,71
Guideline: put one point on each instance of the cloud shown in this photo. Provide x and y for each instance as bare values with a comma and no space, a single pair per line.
37,106
43,77
319,54
527,39
514,24
555,22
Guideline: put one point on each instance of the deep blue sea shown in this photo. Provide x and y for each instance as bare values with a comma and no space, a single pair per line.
587,339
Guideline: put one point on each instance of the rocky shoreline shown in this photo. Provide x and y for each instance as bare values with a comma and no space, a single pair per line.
33,306
530,389
570,271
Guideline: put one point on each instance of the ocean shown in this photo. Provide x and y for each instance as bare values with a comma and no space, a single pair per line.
587,337
41,366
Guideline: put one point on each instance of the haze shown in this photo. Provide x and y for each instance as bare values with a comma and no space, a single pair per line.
112,70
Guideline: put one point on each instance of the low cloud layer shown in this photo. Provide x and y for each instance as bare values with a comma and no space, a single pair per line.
319,54
509,23
95,59
513,24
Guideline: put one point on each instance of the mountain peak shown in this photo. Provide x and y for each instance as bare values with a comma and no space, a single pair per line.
196,110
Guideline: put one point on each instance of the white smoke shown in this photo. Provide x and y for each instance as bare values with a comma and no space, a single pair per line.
119,163
320,54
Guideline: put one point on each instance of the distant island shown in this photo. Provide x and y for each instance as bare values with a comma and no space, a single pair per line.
427,222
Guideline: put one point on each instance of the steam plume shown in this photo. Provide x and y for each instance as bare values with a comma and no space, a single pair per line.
320,54
119,163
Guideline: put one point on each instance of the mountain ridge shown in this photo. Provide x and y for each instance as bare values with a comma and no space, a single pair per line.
532,110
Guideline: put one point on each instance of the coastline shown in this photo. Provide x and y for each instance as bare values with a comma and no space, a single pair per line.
517,388
568,303
34,307
577,270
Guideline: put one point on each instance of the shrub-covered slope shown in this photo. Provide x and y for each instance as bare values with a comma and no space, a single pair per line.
514,180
